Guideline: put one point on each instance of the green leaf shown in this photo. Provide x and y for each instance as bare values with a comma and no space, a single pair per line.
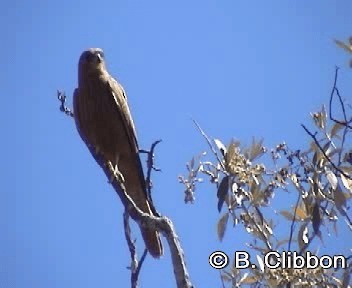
316,218
340,200
332,179
302,236
220,146
335,129
222,225
222,191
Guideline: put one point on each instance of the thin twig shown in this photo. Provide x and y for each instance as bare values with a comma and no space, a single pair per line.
344,123
259,229
63,108
136,265
140,263
222,280
293,222
306,245
132,247
210,144
150,167
322,151
335,89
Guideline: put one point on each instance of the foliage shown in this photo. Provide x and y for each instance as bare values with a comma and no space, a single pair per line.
347,47
248,179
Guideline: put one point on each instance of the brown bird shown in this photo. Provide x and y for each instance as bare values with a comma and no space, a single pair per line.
104,122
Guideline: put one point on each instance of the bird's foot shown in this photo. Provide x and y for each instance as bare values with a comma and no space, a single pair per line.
115,173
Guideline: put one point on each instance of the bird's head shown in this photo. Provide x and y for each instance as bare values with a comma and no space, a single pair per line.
92,60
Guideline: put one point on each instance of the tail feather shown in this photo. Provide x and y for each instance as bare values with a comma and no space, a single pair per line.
152,242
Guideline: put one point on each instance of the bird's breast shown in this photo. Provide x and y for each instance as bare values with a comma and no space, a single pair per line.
103,118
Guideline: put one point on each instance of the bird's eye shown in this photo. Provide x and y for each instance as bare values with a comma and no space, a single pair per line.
101,53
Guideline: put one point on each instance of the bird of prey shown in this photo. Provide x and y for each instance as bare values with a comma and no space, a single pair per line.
104,123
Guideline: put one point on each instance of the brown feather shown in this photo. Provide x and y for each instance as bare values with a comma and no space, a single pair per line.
104,122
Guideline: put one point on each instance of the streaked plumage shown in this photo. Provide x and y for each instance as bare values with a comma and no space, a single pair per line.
105,124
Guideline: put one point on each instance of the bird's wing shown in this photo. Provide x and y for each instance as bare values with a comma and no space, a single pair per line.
121,104
120,99
77,117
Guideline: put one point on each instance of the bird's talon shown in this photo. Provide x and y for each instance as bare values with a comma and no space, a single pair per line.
116,174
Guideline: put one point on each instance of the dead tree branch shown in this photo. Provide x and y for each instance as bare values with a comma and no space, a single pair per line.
151,166
161,224
63,108
135,264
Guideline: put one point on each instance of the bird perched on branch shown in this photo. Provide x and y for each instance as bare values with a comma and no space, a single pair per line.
104,122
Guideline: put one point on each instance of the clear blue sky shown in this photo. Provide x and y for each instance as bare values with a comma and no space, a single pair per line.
241,68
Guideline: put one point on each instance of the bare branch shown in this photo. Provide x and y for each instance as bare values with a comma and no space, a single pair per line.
134,277
210,144
161,224
306,245
335,89
63,108
293,222
322,151
259,229
150,167
135,265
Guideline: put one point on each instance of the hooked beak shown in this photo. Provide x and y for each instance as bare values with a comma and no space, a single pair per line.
99,58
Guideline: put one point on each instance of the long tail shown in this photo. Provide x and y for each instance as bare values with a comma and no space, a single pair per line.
152,242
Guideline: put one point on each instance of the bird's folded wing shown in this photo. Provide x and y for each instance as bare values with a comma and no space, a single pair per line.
121,105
